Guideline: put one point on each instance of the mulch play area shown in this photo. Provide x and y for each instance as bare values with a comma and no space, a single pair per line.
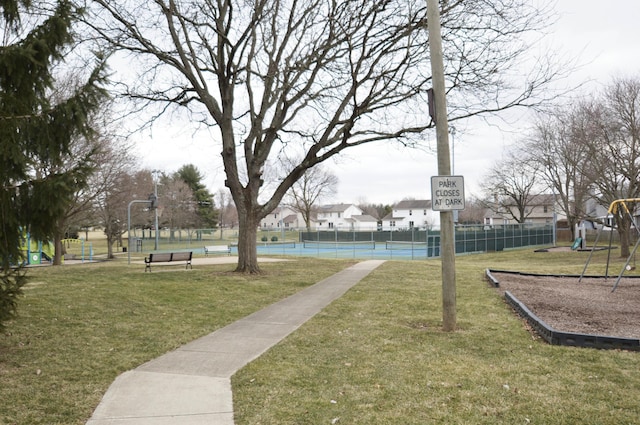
586,307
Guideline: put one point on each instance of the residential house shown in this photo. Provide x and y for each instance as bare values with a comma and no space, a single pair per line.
364,222
539,209
412,214
345,217
283,217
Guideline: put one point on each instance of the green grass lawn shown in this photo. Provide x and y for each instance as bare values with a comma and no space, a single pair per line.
375,356
81,326
378,356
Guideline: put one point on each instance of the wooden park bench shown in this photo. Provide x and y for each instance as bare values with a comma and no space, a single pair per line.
168,257
217,249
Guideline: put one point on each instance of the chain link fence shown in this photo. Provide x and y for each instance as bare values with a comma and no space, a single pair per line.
411,244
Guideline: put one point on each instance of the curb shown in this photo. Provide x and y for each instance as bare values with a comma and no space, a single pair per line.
555,337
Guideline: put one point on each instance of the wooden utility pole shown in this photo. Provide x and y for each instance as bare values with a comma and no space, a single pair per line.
447,249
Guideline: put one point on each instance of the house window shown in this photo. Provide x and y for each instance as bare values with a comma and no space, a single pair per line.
546,209
330,225
410,212
411,225
392,223
338,215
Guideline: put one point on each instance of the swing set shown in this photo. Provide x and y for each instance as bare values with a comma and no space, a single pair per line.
614,208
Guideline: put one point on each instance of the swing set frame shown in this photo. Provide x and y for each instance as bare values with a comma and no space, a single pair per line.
614,208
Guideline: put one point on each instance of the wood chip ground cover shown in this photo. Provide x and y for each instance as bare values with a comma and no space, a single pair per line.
587,307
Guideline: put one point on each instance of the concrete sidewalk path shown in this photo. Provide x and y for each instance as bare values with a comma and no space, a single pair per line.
192,385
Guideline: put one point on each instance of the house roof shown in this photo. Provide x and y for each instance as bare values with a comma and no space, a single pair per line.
536,199
413,204
364,218
390,216
541,199
334,208
292,218
278,210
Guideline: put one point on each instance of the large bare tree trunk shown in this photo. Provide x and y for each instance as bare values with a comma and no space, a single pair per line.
247,248
58,251
624,228
110,242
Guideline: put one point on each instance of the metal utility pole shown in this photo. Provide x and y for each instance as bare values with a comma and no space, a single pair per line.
138,201
447,253
155,210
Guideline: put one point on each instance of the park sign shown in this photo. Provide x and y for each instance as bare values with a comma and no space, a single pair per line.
447,193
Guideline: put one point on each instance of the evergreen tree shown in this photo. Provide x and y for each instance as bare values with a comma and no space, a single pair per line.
193,178
35,131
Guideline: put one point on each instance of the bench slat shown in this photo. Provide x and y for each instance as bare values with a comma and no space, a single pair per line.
181,256
159,257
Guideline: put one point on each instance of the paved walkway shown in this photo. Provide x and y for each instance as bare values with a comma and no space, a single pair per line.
192,385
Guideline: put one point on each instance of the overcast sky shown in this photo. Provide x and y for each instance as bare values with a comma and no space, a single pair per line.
604,35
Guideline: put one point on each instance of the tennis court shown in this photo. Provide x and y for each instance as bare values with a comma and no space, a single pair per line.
407,245
352,249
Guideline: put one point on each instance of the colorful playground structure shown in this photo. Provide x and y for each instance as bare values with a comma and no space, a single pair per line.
38,252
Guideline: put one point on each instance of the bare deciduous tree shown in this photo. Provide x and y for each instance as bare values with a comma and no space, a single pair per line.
228,215
473,213
558,144
315,76
308,191
180,208
613,144
509,186
126,185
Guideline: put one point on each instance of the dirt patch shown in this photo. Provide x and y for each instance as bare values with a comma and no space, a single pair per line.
587,307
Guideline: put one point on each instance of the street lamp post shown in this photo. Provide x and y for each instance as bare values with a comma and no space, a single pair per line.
155,210
452,130
137,201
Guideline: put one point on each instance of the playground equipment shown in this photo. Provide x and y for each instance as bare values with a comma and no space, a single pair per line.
37,252
613,209
73,245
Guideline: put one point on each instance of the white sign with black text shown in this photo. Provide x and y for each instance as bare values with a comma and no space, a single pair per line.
447,193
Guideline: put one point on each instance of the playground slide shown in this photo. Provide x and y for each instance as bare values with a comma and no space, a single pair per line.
576,244
48,252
